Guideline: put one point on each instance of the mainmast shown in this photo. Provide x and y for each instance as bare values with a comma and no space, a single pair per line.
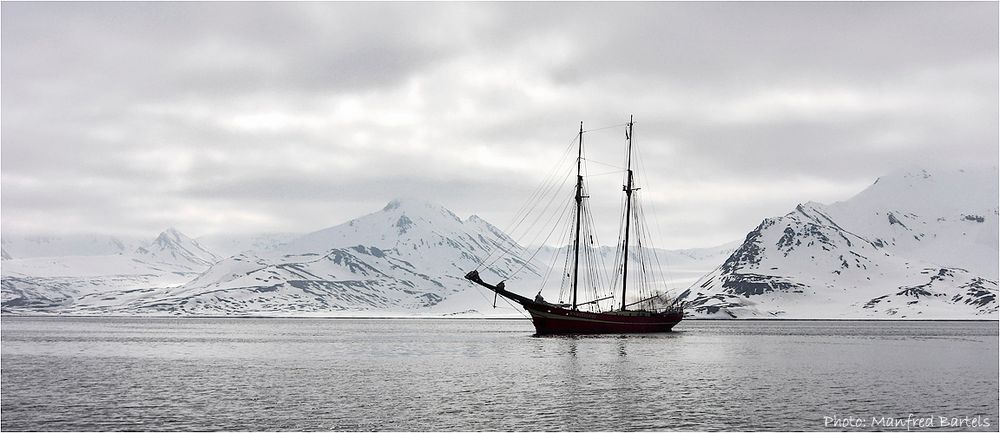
579,206
628,208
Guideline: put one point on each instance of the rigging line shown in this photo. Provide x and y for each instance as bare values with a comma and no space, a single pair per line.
564,280
656,256
597,268
616,269
591,277
507,253
588,223
537,197
603,163
567,150
551,193
565,212
539,249
549,179
479,291
565,283
663,293
552,265
604,127
592,258
533,224
640,272
597,242
651,255
621,255
548,273
527,231
595,275
545,185
656,224
647,283
514,307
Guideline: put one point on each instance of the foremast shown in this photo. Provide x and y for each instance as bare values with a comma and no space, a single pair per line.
575,275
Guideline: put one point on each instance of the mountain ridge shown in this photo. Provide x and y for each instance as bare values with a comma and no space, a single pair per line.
901,248
905,238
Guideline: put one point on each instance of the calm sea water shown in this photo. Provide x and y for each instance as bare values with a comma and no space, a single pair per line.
349,374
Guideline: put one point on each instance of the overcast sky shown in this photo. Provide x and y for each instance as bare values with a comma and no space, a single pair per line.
127,118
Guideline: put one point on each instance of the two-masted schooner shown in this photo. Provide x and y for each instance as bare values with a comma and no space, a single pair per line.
649,314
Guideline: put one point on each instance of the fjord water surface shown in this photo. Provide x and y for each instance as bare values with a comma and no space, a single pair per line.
377,374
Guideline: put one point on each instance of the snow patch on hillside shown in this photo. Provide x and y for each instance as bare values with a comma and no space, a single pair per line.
913,245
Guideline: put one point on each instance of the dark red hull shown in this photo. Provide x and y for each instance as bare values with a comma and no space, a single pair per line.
550,319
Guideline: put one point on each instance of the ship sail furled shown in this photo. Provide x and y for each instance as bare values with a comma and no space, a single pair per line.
589,300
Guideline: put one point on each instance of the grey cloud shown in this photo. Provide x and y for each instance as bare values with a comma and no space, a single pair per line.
292,116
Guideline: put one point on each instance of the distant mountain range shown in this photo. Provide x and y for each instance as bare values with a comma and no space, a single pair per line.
407,258
916,245
919,245
95,267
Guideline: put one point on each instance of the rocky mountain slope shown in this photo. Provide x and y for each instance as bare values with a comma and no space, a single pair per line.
409,256
912,245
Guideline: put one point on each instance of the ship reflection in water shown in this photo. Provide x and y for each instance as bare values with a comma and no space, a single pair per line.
350,374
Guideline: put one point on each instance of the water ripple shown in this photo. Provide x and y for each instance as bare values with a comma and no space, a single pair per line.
172,374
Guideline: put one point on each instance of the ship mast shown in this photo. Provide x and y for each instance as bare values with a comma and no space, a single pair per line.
628,208
579,206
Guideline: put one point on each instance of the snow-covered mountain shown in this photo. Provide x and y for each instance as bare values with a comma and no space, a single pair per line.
411,255
172,246
912,245
408,258
57,282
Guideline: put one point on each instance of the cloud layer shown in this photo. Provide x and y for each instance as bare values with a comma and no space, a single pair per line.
251,117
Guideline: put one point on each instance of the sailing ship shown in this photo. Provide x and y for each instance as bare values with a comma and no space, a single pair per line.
654,313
